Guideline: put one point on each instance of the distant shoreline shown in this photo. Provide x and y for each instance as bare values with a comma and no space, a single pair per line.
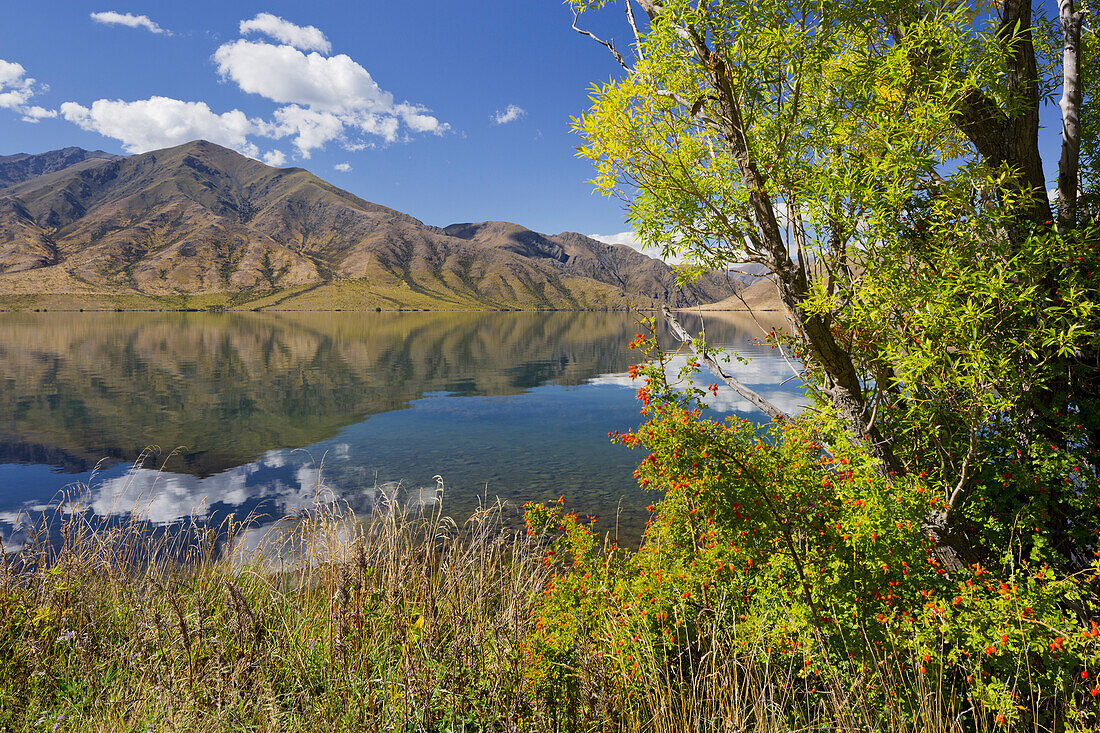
132,303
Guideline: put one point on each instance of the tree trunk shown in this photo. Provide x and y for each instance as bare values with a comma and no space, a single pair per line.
1071,121
1006,135
842,382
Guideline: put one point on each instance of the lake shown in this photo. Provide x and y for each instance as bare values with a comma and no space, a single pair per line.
166,416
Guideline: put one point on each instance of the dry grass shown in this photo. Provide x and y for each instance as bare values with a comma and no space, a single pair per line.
405,620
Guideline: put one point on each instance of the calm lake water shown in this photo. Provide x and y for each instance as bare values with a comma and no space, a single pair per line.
266,413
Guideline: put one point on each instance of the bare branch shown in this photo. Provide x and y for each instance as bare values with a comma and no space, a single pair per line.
610,45
634,27
651,7
964,472
681,333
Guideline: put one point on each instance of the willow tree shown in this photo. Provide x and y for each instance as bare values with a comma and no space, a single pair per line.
881,159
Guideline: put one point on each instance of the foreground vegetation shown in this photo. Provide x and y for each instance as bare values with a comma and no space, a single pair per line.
417,623
411,623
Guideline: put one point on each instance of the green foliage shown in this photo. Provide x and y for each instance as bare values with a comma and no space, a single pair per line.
838,119
971,330
1090,126
976,348
792,538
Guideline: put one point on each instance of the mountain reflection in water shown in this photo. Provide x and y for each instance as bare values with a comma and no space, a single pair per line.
265,412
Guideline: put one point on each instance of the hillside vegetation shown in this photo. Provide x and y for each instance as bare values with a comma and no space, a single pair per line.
200,226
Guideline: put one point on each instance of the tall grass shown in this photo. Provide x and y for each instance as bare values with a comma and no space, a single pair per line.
404,620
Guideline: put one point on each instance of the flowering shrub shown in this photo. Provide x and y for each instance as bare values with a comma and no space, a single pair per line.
792,534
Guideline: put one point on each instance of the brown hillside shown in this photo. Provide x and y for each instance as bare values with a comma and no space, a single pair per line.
199,221
759,296
21,166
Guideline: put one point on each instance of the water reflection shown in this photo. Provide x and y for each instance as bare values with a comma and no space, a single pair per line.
266,410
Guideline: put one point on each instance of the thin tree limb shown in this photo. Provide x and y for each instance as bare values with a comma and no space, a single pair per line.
609,45
634,27
711,363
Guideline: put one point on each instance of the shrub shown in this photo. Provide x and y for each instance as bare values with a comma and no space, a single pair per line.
790,543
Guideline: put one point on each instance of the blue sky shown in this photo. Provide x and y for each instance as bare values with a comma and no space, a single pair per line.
451,112
430,86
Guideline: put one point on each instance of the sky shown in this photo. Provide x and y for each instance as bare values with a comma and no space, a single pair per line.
451,112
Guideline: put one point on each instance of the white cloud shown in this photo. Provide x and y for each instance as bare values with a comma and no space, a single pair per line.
414,117
160,122
313,129
16,90
325,96
36,113
276,158
320,99
511,113
343,167
14,77
307,38
630,239
285,74
381,125
111,17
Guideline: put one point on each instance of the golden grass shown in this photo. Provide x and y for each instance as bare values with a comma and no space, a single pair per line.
404,620
407,621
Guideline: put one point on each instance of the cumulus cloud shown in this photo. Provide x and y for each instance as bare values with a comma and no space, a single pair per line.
413,116
111,17
285,74
511,113
276,158
16,90
325,97
319,99
343,167
35,113
630,239
160,122
312,129
307,38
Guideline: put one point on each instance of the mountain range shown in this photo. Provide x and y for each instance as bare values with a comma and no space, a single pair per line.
199,225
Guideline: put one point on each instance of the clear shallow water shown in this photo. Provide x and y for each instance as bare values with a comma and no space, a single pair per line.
265,413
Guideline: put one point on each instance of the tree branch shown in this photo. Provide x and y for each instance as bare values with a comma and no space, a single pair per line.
711,363
634,27
609,45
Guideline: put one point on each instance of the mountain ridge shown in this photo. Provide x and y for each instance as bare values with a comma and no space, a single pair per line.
203,225
23,166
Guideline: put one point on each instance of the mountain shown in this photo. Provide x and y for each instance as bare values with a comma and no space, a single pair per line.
21,166
757,296
199,224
